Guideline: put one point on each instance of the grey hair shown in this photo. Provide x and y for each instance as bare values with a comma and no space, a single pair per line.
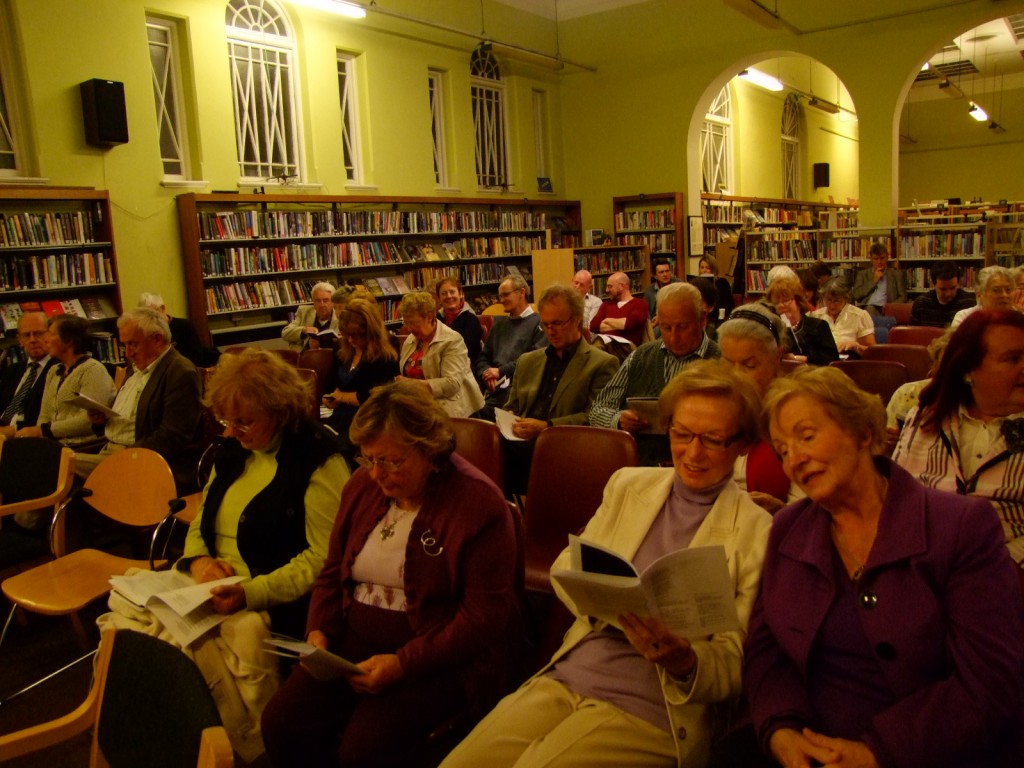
147,320
567,294
154,300
836,288
322,286
780,271
988,273
746,328
517,282
681,293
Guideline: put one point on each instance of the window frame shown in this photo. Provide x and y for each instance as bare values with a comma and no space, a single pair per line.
436,95
490,123
351,137
179,118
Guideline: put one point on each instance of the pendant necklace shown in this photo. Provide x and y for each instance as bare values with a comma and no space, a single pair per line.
388,530
859,570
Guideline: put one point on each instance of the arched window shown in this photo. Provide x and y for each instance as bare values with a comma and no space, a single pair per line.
791,148
488,99
716,145
261,52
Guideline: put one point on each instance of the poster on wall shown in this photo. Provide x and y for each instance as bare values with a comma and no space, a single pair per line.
696,235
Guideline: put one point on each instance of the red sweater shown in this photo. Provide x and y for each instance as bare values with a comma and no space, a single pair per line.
635,312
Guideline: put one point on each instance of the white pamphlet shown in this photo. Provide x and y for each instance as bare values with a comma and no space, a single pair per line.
505,422
86,402
323,665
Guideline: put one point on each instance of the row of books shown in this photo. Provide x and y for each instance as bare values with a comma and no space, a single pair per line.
255,294
844,249
839,219
942,244
48,228
663,243
298,256
725,211
56,270
89,307
236,225
609,261
106,347
663,218
920,278
781,250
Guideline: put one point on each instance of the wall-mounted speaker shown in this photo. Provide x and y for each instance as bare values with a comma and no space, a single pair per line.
103,112
820,175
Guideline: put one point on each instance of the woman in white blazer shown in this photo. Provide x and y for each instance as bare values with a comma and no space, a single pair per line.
642,695
435,355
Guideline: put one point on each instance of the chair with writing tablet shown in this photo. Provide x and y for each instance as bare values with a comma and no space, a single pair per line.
571,466
133,487
148,706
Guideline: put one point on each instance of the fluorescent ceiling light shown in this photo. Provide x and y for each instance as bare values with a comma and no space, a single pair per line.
757,77
977,113
824,106
352,10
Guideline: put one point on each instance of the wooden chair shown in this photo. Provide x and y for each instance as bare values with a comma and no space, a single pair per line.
922,335
309,376
570,468
916,358
320,361
879,377
149,705
36,474
480,443
899,310
133,487
496,310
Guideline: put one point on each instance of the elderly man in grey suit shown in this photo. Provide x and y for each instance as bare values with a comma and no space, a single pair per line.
556,384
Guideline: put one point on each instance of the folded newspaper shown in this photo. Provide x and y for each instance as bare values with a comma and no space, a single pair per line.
323,665
173,597
689,589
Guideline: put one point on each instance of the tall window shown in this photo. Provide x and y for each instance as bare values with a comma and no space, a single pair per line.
791,148
349,116
8,147
261,52
716,145
488,99
435,86
10,161
540,132
163,60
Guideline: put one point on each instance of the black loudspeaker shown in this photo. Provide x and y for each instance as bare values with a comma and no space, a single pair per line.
103,112
820,175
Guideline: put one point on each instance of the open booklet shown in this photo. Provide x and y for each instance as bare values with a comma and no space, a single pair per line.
323,665
86,402
173,597
689,589
506,421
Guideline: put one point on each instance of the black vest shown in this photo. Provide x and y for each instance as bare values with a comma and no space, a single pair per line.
272,527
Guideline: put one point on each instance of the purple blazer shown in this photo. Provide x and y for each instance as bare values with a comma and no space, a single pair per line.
460,578
944,615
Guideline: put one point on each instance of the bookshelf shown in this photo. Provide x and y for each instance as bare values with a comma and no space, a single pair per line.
559,265
251,259
723,215
57,255
922,243
657,221
1005,240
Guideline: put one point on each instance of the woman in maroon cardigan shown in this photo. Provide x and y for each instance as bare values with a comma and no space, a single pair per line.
418,590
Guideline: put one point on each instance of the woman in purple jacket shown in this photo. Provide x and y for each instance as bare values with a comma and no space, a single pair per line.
419,590
889,627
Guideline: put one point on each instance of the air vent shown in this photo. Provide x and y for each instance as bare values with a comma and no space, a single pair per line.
1016,24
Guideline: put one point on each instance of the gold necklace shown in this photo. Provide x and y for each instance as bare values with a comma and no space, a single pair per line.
388,530
859,570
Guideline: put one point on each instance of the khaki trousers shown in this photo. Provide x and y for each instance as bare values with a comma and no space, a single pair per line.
546,725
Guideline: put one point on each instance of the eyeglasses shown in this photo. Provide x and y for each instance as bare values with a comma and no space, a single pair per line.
506,294
555,325
385,465
237,426
710,442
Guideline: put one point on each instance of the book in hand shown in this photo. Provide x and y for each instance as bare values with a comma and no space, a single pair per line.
173,597
647,408
323,665
326,338
87,403
689,590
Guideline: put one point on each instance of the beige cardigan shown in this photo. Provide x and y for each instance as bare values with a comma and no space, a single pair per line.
632,499
447,371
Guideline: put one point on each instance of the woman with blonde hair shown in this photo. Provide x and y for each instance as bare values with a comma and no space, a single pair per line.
365,359
435,356
266,516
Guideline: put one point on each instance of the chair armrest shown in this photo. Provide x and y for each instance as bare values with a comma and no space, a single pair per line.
37,737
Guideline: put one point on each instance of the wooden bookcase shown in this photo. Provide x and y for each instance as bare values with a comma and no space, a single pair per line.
657,221
559,265
1005,240
251,259
57,255
921,243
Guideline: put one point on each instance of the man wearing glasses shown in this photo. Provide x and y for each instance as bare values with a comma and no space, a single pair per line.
509,338
311,320
21,388
556,384
158,406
